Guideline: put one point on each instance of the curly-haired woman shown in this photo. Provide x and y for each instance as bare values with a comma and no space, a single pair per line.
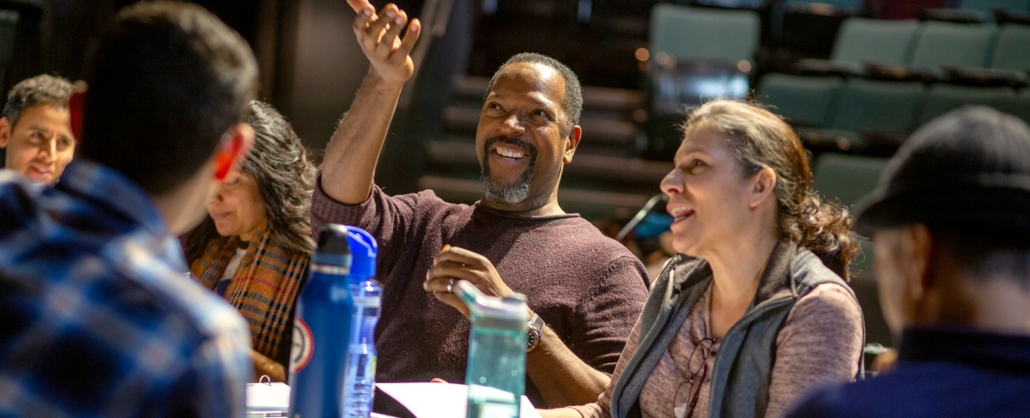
254,247
754,310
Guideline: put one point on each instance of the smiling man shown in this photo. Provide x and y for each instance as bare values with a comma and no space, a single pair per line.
585,291
35,129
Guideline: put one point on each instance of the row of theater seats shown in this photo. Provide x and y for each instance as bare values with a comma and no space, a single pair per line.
887,78
873,116
928,50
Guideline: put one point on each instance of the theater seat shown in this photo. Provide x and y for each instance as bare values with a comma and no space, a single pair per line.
868,40
879,107
690,32
846,178
953,44
1012,51
805,101
697,54
944,98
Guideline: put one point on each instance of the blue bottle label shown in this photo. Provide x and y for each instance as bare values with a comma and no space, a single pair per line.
303,346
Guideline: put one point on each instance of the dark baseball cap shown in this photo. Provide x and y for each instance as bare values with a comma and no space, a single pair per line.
966,171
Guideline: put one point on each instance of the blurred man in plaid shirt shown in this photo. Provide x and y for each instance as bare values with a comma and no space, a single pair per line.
98,316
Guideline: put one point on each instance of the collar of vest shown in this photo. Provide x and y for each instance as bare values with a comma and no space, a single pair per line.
784,276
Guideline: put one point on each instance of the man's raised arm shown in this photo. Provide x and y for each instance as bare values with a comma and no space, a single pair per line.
350,158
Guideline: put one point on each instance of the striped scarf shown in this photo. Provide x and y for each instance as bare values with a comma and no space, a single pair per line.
263,289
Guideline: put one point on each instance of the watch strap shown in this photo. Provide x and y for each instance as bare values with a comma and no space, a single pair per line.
535,328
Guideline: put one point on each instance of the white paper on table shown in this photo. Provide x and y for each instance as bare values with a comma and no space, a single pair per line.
264,398
268,397
440,400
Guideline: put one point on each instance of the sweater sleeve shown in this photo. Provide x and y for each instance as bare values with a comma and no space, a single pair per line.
602,408
606,316
820,342
390,219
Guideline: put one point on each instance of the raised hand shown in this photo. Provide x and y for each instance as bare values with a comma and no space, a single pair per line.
380,38
455,263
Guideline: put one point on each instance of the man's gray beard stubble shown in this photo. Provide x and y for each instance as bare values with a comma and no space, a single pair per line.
511,194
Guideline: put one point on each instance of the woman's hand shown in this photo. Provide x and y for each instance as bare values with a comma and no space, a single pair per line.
266,366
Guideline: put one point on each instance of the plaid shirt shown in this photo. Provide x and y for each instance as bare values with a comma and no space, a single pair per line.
97,315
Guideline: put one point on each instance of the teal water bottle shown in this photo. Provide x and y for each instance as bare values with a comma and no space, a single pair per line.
496,376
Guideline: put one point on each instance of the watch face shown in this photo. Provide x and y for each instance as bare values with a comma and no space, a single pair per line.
533,340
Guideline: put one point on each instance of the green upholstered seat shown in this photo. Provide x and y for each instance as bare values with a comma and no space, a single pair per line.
846,178
872,40
883,107
689,32
944,98
1012,51
804,101
941,43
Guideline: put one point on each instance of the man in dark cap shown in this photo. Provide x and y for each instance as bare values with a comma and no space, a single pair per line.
950,222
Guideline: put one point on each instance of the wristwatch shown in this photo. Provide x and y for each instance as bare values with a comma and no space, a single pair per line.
536,326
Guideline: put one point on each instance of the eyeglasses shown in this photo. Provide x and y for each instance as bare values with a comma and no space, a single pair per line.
693,384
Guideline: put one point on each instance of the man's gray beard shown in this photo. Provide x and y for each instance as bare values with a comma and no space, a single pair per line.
510,194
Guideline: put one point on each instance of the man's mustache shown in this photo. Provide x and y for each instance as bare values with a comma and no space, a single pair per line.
525,146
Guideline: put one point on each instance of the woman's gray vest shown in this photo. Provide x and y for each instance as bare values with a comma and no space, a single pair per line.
744,362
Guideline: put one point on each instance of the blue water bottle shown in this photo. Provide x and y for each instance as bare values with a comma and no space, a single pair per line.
321,329
496,376
359,387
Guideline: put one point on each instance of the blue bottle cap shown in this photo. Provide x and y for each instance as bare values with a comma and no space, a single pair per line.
364,250
332,247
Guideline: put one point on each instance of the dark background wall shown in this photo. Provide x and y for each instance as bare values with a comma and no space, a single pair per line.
311,65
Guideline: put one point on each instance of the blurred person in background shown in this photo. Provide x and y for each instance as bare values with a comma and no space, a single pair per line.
254,247
951,234
755,308
98,319
35,130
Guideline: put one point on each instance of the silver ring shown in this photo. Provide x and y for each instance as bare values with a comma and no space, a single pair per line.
449,285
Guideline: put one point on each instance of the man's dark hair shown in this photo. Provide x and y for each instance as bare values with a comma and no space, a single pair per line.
571,103
41,89
166,82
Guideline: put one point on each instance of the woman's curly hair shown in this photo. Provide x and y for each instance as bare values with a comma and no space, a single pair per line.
285,178
759,139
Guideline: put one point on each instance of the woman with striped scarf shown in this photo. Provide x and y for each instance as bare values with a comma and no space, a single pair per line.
254,248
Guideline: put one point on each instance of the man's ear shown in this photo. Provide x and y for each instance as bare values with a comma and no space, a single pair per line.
234,148
920,277
763,187
5,132
572,143
75,103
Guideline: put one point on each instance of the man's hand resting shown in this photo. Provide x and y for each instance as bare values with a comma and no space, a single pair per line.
455,263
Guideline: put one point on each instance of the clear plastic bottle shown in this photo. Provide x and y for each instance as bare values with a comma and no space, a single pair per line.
496,375
359,385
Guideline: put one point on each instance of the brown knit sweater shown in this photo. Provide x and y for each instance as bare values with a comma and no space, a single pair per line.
588,288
